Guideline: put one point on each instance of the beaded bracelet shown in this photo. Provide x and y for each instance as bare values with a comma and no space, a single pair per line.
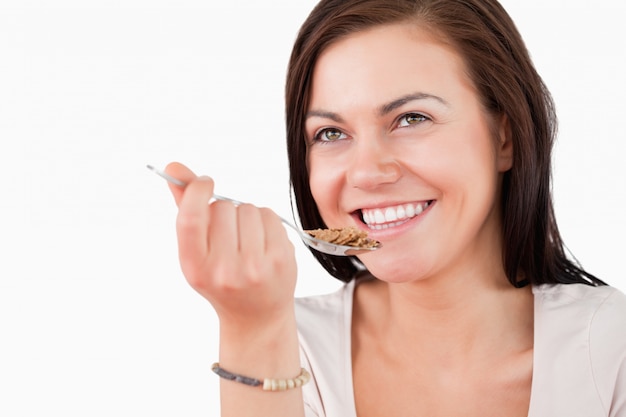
268,383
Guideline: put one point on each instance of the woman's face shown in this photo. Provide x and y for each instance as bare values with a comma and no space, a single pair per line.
400,146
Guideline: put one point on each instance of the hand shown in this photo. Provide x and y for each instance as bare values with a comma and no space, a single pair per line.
237,257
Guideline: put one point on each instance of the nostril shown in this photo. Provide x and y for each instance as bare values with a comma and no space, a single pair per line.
374,173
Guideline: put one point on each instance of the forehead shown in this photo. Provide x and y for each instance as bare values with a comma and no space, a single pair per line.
388,58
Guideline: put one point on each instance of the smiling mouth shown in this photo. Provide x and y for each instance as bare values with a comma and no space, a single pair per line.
384,218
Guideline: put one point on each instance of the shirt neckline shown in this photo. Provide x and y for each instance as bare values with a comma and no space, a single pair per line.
348,298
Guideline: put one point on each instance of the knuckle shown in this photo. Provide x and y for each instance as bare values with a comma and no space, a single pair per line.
268,214
221,205
188,220
247,207
197,281
256,271
225,276
202,181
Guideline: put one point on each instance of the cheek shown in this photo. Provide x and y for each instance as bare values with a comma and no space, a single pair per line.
471,154
325,183
319,180
461,166
470,177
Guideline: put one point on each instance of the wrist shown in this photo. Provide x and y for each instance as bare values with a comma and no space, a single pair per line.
257,329
270,348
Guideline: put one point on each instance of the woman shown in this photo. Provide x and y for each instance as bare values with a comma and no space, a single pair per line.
425,124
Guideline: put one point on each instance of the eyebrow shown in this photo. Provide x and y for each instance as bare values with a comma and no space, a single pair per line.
382,110
401,101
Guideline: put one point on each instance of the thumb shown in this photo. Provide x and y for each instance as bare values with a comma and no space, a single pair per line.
182,173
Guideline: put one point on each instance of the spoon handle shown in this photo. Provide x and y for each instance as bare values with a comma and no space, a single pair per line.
180,183
313,242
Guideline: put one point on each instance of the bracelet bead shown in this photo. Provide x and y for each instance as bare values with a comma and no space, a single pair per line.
268,384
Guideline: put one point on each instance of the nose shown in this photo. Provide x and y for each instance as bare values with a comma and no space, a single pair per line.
373,163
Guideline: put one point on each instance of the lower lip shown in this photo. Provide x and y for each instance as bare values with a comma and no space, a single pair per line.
398,227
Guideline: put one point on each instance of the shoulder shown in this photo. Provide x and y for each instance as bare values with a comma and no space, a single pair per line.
596,313
580,348
597,304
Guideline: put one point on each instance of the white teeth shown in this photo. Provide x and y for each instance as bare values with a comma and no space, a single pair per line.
391,215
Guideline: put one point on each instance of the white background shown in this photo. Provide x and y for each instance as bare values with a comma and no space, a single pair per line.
95,317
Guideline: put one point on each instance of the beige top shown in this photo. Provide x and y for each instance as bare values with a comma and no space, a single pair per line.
579,367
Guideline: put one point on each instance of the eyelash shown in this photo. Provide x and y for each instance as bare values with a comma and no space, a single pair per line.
423,118
317,137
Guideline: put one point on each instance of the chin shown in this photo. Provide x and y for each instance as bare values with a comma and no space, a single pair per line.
394,271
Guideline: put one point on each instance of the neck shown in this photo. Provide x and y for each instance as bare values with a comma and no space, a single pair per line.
454,318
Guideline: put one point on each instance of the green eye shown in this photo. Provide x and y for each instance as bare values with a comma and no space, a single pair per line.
332,134
329,135
412,119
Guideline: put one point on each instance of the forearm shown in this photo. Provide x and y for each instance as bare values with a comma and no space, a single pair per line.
270,352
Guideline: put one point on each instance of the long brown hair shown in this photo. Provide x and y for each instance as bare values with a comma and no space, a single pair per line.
498,62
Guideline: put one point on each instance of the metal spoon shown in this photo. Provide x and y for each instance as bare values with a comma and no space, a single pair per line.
317,244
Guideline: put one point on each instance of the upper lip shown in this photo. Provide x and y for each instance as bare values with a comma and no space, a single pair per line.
387,204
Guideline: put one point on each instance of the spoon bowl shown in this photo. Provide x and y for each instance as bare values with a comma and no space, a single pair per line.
317,244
